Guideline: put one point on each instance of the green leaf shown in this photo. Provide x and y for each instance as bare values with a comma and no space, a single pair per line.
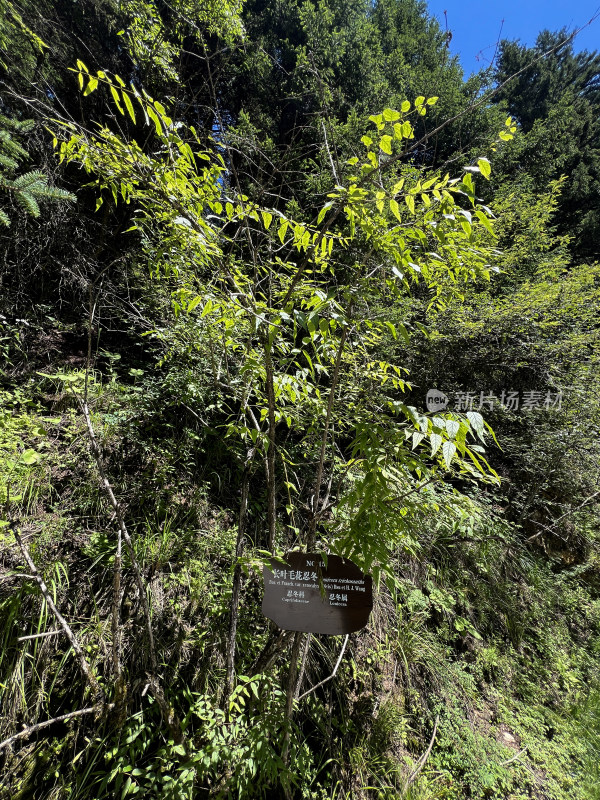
476,421
283,230
417,438
155,119
128,105
390,115
267,218
385,144
398,128
410,202
448,452
452,426
92,85
117,99
485,221
436,441
405,106
30,457
484,167
395,209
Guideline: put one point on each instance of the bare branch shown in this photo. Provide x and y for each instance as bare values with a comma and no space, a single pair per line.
513,759
29,731
84,666
96,452
333,674
38,635
422,761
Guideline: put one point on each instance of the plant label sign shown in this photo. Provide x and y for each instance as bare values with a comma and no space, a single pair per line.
305,595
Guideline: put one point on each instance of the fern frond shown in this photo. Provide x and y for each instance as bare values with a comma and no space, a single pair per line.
4,220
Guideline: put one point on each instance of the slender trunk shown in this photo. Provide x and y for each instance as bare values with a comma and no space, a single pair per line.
96,452
237,580
305,651
291,693
116,608
271,506
310,541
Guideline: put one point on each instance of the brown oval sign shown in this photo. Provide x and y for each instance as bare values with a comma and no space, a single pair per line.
305,595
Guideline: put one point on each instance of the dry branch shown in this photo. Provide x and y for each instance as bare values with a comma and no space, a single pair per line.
96,452
83,664
422,761
29,731
333,674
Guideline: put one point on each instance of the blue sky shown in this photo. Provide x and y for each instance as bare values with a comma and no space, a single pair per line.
476,24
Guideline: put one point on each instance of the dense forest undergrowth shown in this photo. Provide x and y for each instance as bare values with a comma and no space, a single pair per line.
240,245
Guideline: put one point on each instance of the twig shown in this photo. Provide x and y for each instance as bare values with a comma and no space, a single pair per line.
514,758
37,635
333,674
123,528
85,667
172,720
566,514
27,732
422,761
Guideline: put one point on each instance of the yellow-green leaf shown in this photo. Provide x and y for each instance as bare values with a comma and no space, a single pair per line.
390,115
117,99
155,119
385,144
484,167
128,105
91,86
282,230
